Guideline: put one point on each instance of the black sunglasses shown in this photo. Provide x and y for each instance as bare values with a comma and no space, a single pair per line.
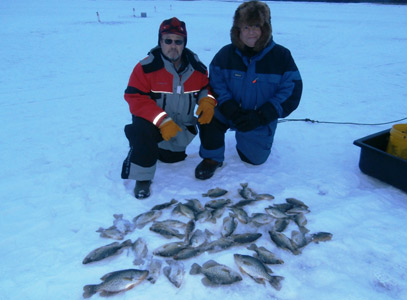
177,42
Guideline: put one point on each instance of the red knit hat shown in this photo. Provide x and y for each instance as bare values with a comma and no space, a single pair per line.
173,26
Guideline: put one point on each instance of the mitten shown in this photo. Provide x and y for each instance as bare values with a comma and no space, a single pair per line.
206,110
267,113
247,120
230,109
169,129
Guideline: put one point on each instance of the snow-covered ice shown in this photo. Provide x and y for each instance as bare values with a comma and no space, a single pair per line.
62,112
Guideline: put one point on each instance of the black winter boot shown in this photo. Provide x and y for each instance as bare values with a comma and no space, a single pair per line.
207,168
142,189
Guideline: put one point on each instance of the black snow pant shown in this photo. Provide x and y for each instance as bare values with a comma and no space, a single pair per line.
144,152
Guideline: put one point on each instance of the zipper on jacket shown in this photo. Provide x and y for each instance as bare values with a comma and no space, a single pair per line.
164,101
190,104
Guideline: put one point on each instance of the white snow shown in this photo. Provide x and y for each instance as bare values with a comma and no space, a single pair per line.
62,78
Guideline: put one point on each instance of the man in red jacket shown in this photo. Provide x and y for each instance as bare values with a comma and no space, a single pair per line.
162,93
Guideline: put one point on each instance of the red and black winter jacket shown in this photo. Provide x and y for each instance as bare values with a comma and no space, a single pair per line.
156,90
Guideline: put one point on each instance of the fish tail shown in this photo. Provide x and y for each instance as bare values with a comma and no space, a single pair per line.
90,290
275,282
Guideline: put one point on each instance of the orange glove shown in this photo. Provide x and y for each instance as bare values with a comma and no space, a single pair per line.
206,110
169,129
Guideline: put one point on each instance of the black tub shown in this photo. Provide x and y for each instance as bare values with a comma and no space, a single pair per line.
376,162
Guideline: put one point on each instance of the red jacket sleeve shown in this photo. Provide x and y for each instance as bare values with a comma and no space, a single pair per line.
138,97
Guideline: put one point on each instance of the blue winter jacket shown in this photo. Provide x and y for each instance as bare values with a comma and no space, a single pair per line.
270,75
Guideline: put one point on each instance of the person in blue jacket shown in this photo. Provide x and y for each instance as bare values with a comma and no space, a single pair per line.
255,82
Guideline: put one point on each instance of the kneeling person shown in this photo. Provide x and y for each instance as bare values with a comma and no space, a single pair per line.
162,93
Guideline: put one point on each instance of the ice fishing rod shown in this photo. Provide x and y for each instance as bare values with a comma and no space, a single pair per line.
338,123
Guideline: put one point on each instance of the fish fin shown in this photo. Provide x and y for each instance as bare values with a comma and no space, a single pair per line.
195,269
90,290
252,247
210,263
275,282
101,229
206,282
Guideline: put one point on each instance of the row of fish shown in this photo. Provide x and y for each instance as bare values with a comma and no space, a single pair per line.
192,241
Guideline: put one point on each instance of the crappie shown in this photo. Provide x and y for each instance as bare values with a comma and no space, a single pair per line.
174,272
164,205
321,237
264,255
199,237
142,219
170,249
140,251
275,212
215,274
281,224
106,251
217,203
165,231
183,210
260,219
283,242
189,252
240,214
112,232
123,225
214,193
229,225
154,270
246,192
116,282
245,238
257,270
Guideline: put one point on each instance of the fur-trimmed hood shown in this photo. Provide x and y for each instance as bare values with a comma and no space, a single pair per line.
252,13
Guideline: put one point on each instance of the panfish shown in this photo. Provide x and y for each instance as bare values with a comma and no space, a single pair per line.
217,203
245,238
116,282
283,242
154,270
215,273
144,218
123,225
189,252
112,232
229,225
240,214
257,270
246,192
265,256
214,193
260,219
203,216
188,230
195,205
170,249
296,202
275,212
164,205
281,224
140,251
171,223
183,210
216,214
167,232
263,197
106,251
220,244
174,272
199,237
321,237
